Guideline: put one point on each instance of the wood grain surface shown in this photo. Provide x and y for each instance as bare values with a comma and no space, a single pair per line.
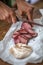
4,26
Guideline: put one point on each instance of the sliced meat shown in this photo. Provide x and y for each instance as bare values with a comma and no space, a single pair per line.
16,33
22,40
35,35
14,36
28,36
26,26
24,37
30,31
17,41
24,34
23,31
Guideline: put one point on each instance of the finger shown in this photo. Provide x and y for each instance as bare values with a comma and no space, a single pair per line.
6,7
29,16
13,18
4,10
2,14
5,13
19,10
8,11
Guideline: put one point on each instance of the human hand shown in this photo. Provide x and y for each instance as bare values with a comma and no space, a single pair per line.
25,7
6,13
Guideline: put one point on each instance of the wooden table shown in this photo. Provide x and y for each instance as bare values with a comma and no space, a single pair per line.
4,26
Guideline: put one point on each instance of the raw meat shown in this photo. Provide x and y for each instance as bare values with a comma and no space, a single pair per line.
25,25
24,34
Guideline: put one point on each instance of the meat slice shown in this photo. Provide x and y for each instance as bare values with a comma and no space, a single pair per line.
26,26
28,36
24,34
31,31
17,41
14,36
35,35
24,37
23,31
22,40
16,33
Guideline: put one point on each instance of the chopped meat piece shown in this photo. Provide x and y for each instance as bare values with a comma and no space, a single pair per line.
24,34
17,41
28,36
16,33
23,31
22,40
35,35
24,37
14,36
31,31
26,26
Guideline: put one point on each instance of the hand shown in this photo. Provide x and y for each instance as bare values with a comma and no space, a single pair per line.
6,13
25,7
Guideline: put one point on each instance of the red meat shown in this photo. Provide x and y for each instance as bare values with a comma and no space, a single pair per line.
26,26
24,34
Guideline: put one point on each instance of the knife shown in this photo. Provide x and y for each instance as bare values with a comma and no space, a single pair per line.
25,20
